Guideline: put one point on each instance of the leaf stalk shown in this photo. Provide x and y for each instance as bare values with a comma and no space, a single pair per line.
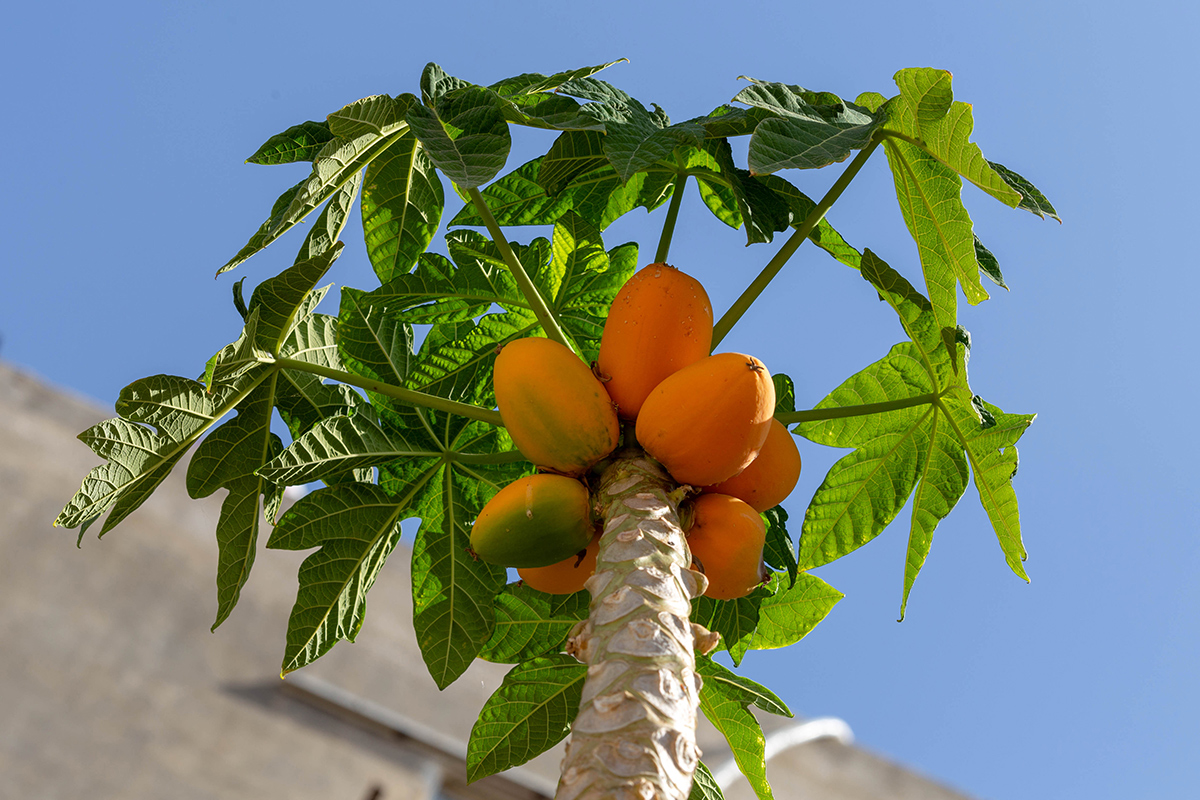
409,396
668,231
536,302
818,414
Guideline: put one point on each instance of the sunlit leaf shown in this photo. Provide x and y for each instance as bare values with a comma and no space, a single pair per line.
725,699
298,143
356,526
531,712
530,623
464,134
402,204
788,615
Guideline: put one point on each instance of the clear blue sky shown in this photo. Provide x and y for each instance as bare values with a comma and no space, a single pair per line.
125,189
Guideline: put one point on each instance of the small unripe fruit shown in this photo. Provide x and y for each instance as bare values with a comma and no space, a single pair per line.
771,477
535,521
660,321
726,539
566,576
707,422
555,409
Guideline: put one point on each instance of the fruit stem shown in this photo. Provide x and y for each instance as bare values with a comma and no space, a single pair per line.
664,241
742,304
409,396
817,414
536,302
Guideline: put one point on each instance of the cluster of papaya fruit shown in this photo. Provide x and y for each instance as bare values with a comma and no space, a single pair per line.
708,419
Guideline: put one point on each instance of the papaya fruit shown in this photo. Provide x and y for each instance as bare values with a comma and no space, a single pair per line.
535,521
726,539
771,477
707,422
555,409
660,321
566,576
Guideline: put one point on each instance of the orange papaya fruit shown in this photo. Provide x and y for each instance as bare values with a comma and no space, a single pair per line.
707,422
726,539
660,321
555,409
535,521
771,476
566,576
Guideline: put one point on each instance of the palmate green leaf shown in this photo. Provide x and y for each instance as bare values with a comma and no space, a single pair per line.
298,143
790,613
453,593
725,699
823,235
266,232
378,115
779,552
734,619
279,313
991,449
436,83
582,279
160,417
926,112
535,83
738,198
277,302
925,445
988,264
1032,200
339,161
372,342
301,397
465,134
530,623
549,111
402,204
704,785
456,360
726,120
531,712
518,199
806,130
930,201
356,526
228,458
572,154
943,482
342,443
640,140
597,195
335,176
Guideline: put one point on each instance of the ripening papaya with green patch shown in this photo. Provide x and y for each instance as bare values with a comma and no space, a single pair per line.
557,412
771,476
566,576
535,521
727,539
660,321
707,422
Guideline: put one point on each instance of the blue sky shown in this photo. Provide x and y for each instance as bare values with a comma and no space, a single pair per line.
125,190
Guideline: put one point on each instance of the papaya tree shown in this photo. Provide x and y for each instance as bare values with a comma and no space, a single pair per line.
390,404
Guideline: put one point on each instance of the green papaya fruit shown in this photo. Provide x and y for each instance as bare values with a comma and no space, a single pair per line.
535,521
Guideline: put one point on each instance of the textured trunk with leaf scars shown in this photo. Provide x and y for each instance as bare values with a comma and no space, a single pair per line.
635,736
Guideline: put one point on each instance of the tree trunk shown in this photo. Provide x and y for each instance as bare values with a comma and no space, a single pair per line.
635,736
